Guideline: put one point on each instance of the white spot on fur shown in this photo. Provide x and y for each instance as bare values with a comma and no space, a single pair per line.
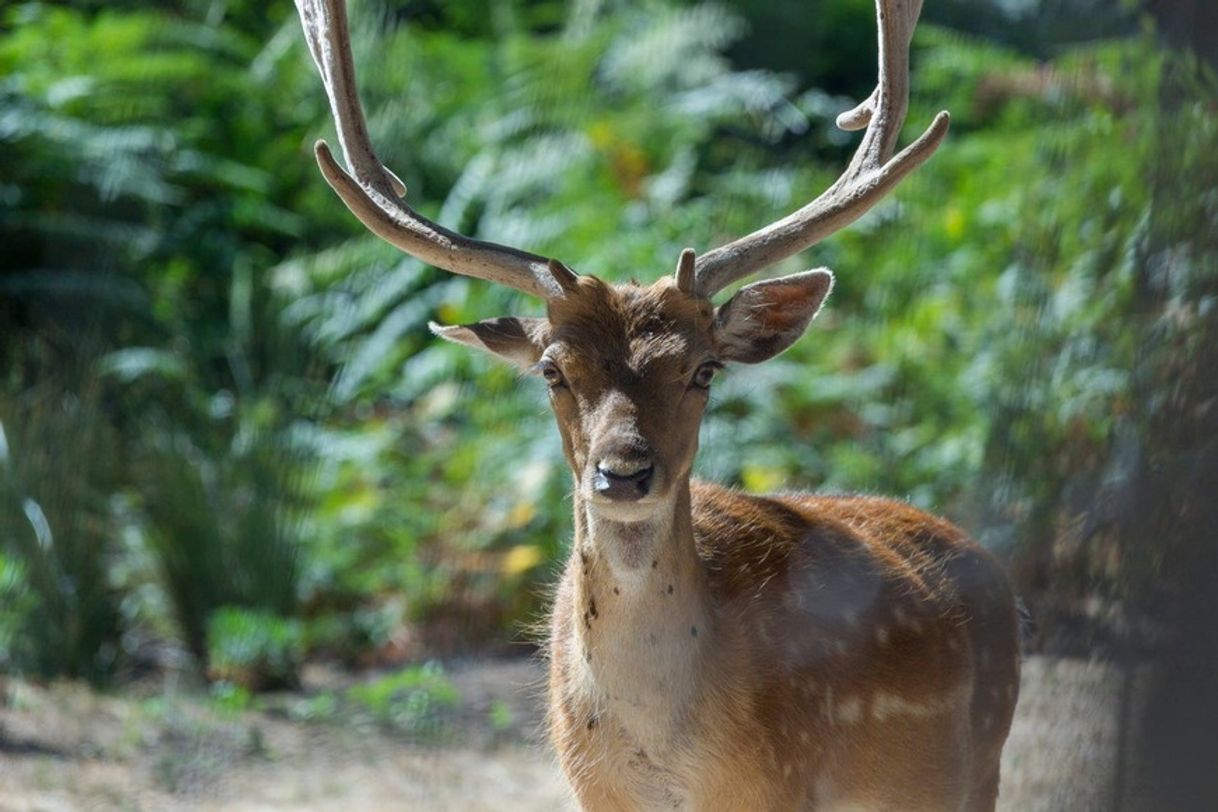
884,706
849,711
881,636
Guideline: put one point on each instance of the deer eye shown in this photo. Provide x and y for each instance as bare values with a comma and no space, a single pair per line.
706,374
549,370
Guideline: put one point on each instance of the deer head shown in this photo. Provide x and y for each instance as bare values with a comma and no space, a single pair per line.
628,367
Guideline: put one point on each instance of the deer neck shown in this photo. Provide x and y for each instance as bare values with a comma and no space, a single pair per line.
643,617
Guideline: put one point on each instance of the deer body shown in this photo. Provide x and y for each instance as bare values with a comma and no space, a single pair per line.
712,650
828,653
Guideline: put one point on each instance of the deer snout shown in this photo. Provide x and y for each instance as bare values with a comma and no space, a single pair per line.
624,478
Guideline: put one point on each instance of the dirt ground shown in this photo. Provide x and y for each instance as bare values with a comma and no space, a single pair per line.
64,748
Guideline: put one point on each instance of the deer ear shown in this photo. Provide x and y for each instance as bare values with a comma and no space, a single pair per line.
765,318
519,341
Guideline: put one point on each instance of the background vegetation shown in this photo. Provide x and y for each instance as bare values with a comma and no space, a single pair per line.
228,443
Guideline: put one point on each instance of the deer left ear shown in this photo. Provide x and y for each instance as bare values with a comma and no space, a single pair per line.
766,317
519,341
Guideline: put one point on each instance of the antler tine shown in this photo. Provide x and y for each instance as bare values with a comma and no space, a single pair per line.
872,173
373,193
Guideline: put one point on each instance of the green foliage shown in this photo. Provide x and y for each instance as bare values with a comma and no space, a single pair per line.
147,185
226,531
409,700
253,650
316,708
57,534
500,715
230,697
285,464
17,603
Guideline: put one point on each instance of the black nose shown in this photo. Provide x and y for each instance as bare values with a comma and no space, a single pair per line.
623,486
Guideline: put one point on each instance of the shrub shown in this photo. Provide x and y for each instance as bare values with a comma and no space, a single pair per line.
56,533
254,650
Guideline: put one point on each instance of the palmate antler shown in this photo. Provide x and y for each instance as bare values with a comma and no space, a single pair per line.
375,195
872,173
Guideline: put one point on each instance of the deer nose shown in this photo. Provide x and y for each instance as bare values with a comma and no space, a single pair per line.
623,480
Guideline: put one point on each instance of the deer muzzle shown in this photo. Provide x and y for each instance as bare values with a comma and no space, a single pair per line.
623,480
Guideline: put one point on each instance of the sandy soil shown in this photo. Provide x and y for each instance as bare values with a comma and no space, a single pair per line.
67,748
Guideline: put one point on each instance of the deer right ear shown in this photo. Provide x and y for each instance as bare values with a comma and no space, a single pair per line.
519,341
765,318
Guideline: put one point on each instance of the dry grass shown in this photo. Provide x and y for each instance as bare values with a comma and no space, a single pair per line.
66,748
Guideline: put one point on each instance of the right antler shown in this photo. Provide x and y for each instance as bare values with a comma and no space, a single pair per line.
872,173
374,194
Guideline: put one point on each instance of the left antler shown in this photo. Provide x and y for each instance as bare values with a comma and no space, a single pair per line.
373,193
872,173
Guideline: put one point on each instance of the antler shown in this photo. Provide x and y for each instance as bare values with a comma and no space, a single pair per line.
873,171
374,194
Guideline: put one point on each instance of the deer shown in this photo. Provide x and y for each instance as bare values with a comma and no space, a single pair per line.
709,648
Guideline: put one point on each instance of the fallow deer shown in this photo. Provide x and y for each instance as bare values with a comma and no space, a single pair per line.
711,649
